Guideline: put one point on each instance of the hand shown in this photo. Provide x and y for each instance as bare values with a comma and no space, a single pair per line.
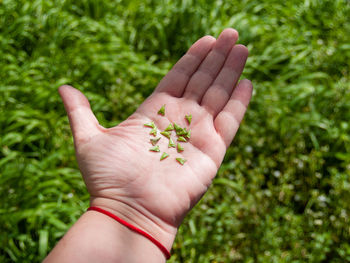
120,172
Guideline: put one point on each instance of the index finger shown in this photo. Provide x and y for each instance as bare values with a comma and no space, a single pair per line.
177,78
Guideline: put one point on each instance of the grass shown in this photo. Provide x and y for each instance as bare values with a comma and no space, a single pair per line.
282,192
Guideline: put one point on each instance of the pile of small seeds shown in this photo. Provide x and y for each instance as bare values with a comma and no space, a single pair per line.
182,135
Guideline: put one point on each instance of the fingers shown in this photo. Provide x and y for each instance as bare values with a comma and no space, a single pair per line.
176,80
83,122
220,91
228,120
210,67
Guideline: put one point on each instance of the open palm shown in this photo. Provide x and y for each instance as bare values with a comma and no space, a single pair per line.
121,173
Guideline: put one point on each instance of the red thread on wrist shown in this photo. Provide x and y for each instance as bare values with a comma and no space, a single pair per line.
133,228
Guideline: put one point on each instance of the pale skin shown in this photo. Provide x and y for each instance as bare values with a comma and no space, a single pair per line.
125,178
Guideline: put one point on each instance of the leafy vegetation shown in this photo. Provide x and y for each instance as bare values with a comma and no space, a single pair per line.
282,193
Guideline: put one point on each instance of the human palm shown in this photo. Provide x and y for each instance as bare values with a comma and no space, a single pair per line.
116,163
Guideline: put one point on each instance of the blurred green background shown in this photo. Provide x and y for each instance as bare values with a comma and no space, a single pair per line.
283,191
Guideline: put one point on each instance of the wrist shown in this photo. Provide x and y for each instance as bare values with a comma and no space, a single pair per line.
96,237
138,217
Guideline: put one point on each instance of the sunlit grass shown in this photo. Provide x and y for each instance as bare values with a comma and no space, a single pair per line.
282,193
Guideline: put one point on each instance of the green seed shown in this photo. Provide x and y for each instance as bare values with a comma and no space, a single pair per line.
189,118
188,134
171,143
183,132
151,125
162,110
154,141
166,134
153,132
181,160
181,139
169,128
180,133
164,155
177,128
179,148
155,149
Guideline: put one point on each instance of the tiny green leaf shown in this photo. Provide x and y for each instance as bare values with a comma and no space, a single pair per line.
182,139
164,155
151,125
171,143
153,132
181,160
179,148
155,149
188,118
154,141
162,110
169,128
166,134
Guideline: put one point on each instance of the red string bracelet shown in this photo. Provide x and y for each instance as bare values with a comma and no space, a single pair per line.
133,228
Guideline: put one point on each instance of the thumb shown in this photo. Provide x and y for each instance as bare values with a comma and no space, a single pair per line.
82,121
